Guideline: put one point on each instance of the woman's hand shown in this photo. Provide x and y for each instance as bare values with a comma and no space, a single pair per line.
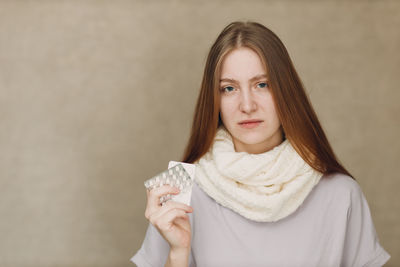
170,219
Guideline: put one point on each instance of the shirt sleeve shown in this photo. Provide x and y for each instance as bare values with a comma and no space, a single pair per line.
362,247
154,250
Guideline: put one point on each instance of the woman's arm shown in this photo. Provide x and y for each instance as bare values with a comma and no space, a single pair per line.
178,258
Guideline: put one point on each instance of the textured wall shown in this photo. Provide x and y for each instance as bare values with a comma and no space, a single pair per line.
97,96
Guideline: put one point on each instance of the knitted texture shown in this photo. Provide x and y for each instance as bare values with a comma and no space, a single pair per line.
262,187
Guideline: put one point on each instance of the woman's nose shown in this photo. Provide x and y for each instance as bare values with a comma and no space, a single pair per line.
247,103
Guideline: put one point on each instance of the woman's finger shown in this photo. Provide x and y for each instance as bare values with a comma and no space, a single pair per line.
182,222
168,206
165,222
155,194
153,198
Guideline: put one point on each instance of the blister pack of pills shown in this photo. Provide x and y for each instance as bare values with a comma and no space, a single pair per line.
178,174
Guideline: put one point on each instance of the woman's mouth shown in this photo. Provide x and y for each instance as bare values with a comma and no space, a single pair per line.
250,124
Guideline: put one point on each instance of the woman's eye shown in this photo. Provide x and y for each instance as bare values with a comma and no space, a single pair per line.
228,89
262,85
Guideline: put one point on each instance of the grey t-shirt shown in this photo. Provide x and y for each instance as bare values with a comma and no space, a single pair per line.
333,227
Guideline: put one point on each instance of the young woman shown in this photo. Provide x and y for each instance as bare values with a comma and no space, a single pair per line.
268,190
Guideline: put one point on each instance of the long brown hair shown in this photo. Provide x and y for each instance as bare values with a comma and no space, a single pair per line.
299,122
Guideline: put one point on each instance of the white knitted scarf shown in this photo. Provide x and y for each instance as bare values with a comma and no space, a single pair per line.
262,187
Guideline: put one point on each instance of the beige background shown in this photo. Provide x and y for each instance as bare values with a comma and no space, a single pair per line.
97,96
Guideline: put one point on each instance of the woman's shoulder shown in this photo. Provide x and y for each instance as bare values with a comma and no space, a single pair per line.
340,187
339,182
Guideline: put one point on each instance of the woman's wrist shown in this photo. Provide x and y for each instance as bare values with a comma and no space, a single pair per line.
178,257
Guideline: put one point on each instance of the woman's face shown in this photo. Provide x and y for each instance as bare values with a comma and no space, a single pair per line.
245,96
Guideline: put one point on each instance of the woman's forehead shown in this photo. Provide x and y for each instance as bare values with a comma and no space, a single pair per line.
242,60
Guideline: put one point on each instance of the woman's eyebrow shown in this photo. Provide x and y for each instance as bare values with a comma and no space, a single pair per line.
252,79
